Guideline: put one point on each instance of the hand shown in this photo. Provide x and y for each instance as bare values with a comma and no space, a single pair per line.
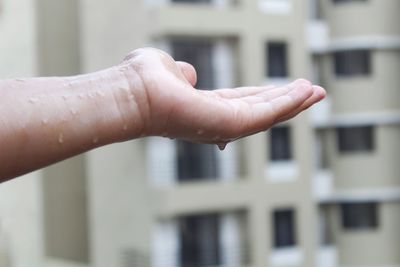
170,105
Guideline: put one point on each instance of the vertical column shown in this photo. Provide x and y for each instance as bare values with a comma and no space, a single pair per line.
161,160
224,66
228,163
251,63
165,244
259,235
230,243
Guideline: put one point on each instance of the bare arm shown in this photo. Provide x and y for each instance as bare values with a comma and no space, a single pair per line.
45,120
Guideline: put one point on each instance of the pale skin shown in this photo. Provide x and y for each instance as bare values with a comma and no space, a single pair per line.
46,120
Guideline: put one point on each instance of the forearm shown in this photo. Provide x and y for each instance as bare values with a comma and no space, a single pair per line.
45,120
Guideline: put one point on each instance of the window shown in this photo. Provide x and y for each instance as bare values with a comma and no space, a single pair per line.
199,240
284,228
277,60
352,63
280,144
196,162
199,54
355,139
359,215
192,1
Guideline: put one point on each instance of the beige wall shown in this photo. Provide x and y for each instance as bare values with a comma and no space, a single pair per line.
372,17
372,93
375,169
65,220
58,37
18,52
372,248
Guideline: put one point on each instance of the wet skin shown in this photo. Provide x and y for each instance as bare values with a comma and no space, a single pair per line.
45,120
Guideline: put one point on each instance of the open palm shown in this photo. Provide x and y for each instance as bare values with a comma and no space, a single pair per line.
171,106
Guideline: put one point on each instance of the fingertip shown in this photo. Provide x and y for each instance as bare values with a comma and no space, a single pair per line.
188,71
303,81
320,92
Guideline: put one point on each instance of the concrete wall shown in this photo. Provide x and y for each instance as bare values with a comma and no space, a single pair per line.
365,247
369,170
359,18
18,53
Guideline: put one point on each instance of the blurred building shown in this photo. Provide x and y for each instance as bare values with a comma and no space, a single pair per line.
320,190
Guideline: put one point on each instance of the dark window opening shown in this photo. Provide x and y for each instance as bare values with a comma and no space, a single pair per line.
359,215
277,60
196,162
352,63
199,240
280,143
284,228
355,139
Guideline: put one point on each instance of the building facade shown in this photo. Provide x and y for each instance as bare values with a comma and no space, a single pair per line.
319,190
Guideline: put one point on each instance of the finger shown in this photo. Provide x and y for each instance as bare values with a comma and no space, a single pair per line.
188,71
230,93
266,113
265,96
318,94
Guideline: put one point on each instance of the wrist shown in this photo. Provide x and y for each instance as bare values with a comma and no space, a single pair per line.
131,99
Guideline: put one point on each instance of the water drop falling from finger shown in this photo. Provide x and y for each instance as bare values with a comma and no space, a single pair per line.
221,146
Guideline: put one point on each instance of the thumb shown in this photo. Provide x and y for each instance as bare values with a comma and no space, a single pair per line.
188,71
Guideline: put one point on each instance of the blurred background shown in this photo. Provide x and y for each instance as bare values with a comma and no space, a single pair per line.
321,190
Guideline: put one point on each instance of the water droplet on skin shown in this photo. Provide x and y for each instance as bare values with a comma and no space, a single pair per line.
95,140
125,127
73,112
90,95
33,100
72,83
60,138
221,146
124,89
45,121
200,131
100,93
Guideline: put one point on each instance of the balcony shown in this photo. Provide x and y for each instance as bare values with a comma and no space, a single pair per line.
292,256
323,187
327,257
219,18
318,36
